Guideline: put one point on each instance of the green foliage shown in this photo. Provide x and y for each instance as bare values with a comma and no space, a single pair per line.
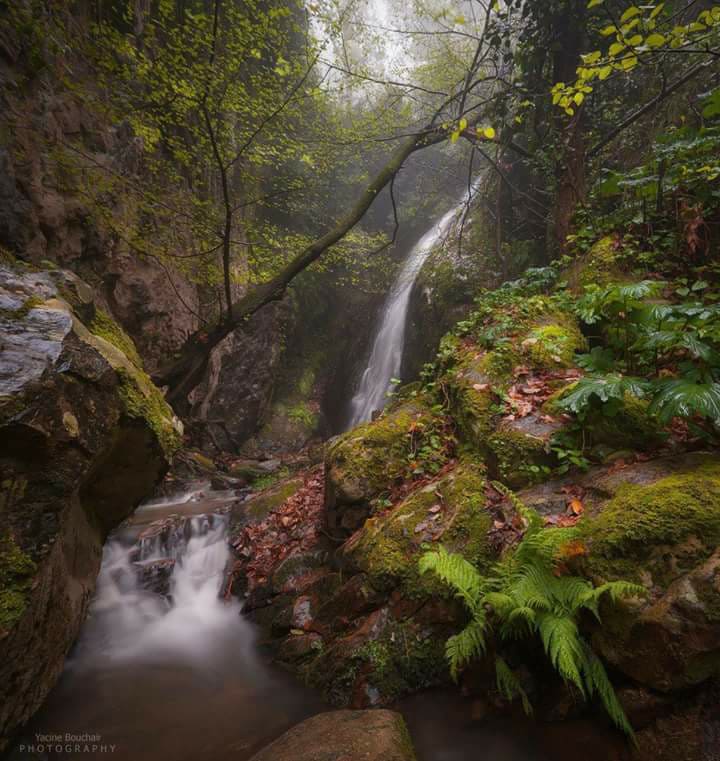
603,389
525,595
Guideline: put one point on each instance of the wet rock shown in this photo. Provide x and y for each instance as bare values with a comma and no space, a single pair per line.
84,437
660,528
154,575
344,736
366,461
298,646
220,482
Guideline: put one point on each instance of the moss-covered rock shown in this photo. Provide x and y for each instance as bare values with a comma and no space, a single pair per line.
519,451
16,575
601,265
450,511
553,342
473,399
663,534
83,439
369,460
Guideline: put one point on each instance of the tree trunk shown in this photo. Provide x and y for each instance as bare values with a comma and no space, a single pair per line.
570,168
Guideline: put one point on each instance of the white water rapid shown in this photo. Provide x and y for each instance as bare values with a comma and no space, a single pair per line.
387,351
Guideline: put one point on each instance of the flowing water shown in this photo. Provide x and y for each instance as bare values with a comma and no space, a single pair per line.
177,676
387,351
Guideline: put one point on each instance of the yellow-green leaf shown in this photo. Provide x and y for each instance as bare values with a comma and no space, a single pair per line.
608,30
605,72
615,48
593,3
489,133
578,98
462,125
631,12
655,40
656,10
635,40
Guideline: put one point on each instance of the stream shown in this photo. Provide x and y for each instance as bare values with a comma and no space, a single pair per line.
182,678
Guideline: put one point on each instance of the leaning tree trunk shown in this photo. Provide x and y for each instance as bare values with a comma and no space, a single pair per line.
186,370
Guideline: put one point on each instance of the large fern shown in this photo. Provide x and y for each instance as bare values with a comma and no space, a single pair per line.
525,596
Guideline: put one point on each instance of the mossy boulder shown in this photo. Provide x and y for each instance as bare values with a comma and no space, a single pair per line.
474,402
601,265
553,341
260,505
369,460
519,450
84,437
661,528
450,510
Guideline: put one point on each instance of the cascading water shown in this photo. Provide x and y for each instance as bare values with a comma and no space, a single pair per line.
165,668
387,351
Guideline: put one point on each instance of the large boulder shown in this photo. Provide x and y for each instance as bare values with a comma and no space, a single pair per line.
660,527
344,736
369,460
84,437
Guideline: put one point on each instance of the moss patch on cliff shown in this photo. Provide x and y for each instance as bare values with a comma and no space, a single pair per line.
104,326
16,574
143,400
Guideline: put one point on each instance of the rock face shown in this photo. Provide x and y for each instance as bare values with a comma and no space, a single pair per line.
661,527
84,438
344,736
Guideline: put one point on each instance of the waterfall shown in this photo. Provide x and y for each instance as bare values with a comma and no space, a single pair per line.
387,350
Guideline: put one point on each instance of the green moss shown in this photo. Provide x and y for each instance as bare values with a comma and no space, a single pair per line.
16,574
632,427
602,265
143,400
376,453
554,344
404,658
390,544
667,513
201,460
301,413
23,310
517,458
104,326
261,505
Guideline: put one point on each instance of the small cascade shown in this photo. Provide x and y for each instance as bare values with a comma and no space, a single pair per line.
162,590
386,355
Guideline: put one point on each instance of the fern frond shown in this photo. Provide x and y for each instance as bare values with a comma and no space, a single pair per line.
561,639
519,623
464,647
530,588
456,572
615,590
598,683
509,686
